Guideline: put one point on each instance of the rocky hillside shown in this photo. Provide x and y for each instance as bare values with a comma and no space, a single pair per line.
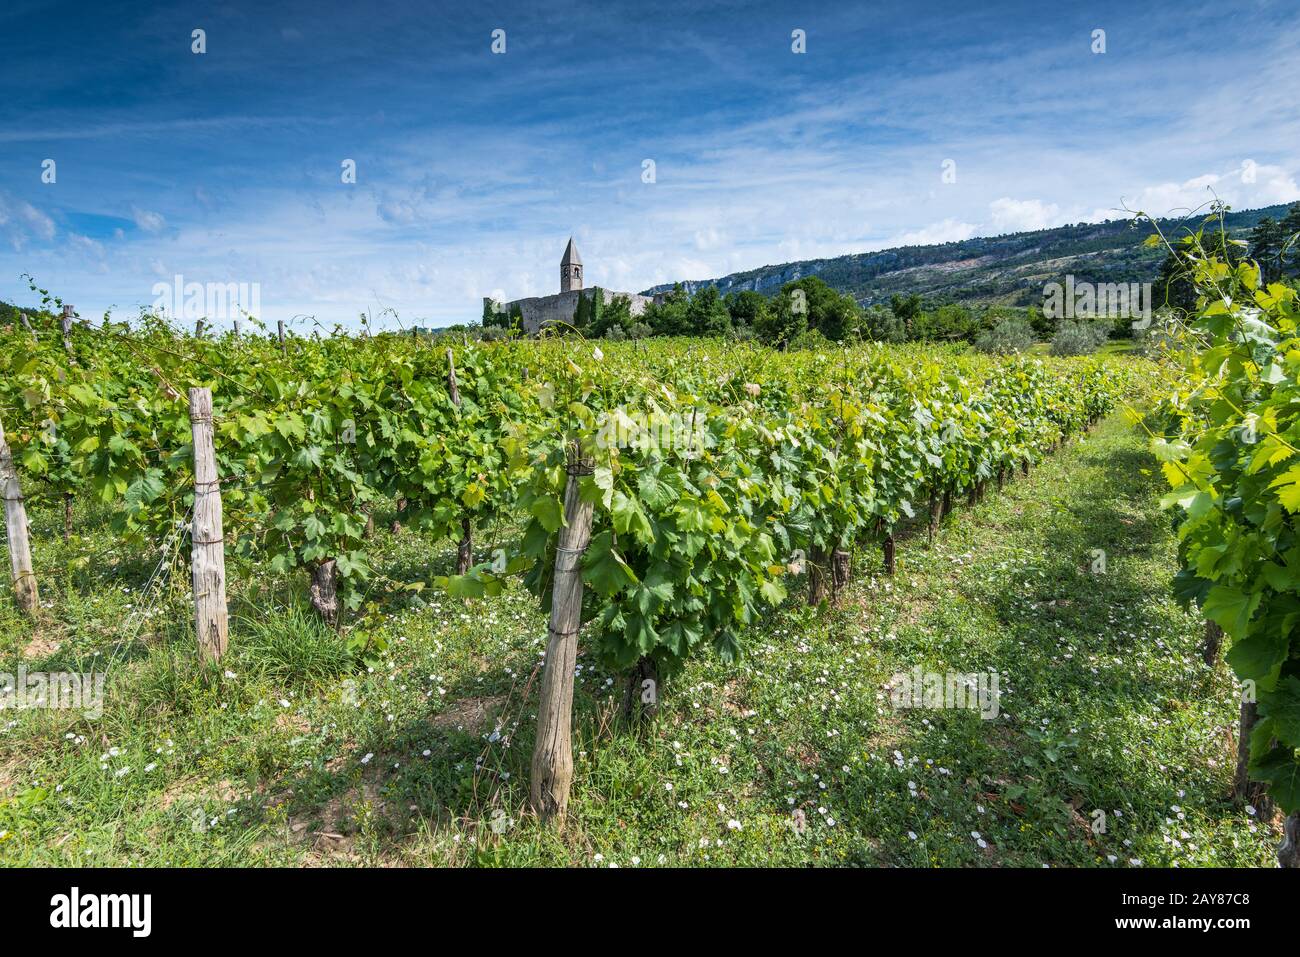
1010,269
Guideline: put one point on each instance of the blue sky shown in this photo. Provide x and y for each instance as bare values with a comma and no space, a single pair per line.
473,168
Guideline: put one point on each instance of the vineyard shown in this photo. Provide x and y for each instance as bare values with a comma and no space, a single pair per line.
398,598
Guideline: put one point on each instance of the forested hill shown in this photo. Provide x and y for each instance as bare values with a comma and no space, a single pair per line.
1010,269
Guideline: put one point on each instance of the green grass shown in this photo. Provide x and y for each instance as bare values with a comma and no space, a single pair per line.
293,754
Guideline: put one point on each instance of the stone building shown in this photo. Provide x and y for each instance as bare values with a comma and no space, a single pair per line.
538,311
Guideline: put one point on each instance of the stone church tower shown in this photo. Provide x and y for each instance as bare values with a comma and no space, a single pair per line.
537,312
570,269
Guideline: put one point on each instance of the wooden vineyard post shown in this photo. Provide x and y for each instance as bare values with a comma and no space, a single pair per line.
465,547
325,591
889,549
27,323
198,328
1213,639
552,768
235,324
279,325
207,543
641,695
818,568
20,551
1243,788
841,570
1288,852
452,385
65,322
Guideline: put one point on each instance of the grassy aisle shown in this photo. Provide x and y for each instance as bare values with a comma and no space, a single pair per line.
795,756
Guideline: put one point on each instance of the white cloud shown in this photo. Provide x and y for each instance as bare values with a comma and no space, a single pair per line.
948,231
1248,185
21,222
1015,215
150,222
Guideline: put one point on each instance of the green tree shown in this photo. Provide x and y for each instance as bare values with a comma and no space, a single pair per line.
1289,254
668,317
948,323
582,314
494,314
1266,242
706,315
617,313
785,319
906,308
879,324
835,316
745,308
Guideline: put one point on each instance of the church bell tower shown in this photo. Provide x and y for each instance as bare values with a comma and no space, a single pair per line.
570,268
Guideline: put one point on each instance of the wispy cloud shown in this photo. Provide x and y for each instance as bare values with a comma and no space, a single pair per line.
473,168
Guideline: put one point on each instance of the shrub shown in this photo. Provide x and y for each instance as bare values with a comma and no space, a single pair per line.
947,323
881,324
1007,337
1079,338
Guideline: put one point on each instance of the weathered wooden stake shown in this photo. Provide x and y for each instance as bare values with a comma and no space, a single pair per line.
207,542
20,551
27,323
552,768
198,328
465,547
1213,639
279,324
818,572
1243,788
641,694
452,386
325,590
235,323
65,321
1288,852
841,569
889,554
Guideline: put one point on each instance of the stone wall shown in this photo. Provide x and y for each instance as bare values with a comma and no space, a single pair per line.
560,307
